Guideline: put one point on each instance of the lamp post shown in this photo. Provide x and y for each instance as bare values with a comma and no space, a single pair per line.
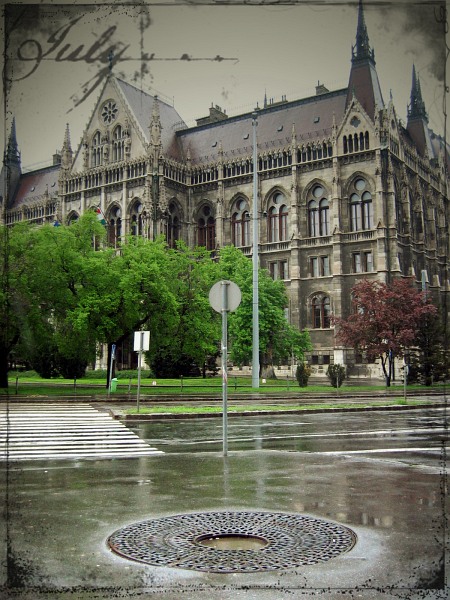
255,314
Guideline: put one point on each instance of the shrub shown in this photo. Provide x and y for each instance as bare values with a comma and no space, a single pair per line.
20,374
133,374
97,374
302,374
336,375
72,368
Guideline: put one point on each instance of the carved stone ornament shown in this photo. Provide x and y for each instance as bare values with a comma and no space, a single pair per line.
162,196
85,152
128,148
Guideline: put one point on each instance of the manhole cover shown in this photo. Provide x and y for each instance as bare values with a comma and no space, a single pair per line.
214,541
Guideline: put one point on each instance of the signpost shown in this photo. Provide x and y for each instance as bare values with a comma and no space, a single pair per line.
141,344
113,356
225,296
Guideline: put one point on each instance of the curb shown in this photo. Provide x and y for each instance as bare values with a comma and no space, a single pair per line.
248,413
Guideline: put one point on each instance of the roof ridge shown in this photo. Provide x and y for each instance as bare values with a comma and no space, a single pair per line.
141,91
269,109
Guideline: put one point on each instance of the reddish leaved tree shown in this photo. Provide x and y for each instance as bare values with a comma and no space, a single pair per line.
384,320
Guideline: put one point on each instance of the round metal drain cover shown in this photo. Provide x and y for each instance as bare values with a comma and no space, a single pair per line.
290,540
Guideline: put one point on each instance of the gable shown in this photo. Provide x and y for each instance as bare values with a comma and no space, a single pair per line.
356,125
122,115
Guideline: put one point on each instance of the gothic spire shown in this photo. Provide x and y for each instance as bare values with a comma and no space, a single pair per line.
416,108
361,50
417,125
12,154
363,82
66,152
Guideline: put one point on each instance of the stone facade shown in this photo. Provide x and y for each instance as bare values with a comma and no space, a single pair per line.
345,190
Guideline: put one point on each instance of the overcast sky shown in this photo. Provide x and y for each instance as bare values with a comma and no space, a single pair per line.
196,54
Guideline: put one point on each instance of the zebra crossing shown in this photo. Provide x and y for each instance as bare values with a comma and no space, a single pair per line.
42,431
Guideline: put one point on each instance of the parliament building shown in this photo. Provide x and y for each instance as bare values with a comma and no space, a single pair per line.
345,189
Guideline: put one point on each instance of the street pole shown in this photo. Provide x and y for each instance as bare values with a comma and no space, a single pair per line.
255,352
141,337
113,356
224,297
224,285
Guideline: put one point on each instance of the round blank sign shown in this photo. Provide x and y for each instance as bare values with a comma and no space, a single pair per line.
233,296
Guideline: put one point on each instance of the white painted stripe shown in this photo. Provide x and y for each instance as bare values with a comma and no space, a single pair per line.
66,431
382,451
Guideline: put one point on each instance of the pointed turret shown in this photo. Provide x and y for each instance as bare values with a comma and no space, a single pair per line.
416,108
12,154
417,126
66,152
12,170
361,50
363,82
155,128
155,125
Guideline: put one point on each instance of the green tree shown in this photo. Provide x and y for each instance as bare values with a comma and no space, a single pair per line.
14,248
194,334
53,277
278,340
384,320
126,291
428,361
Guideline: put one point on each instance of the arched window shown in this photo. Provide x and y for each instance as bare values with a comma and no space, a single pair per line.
73,218
173,225
277,215
206,229
96,150
318,213
321,311
136,218
240,224
118,144
361,206
114,226
283,229
324,213
313,218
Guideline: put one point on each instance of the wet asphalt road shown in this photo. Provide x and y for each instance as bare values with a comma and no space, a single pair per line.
383,474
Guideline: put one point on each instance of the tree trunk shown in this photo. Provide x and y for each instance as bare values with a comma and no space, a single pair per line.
268,372
386,372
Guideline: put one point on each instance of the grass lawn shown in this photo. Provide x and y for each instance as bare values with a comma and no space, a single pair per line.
186,409
36,386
